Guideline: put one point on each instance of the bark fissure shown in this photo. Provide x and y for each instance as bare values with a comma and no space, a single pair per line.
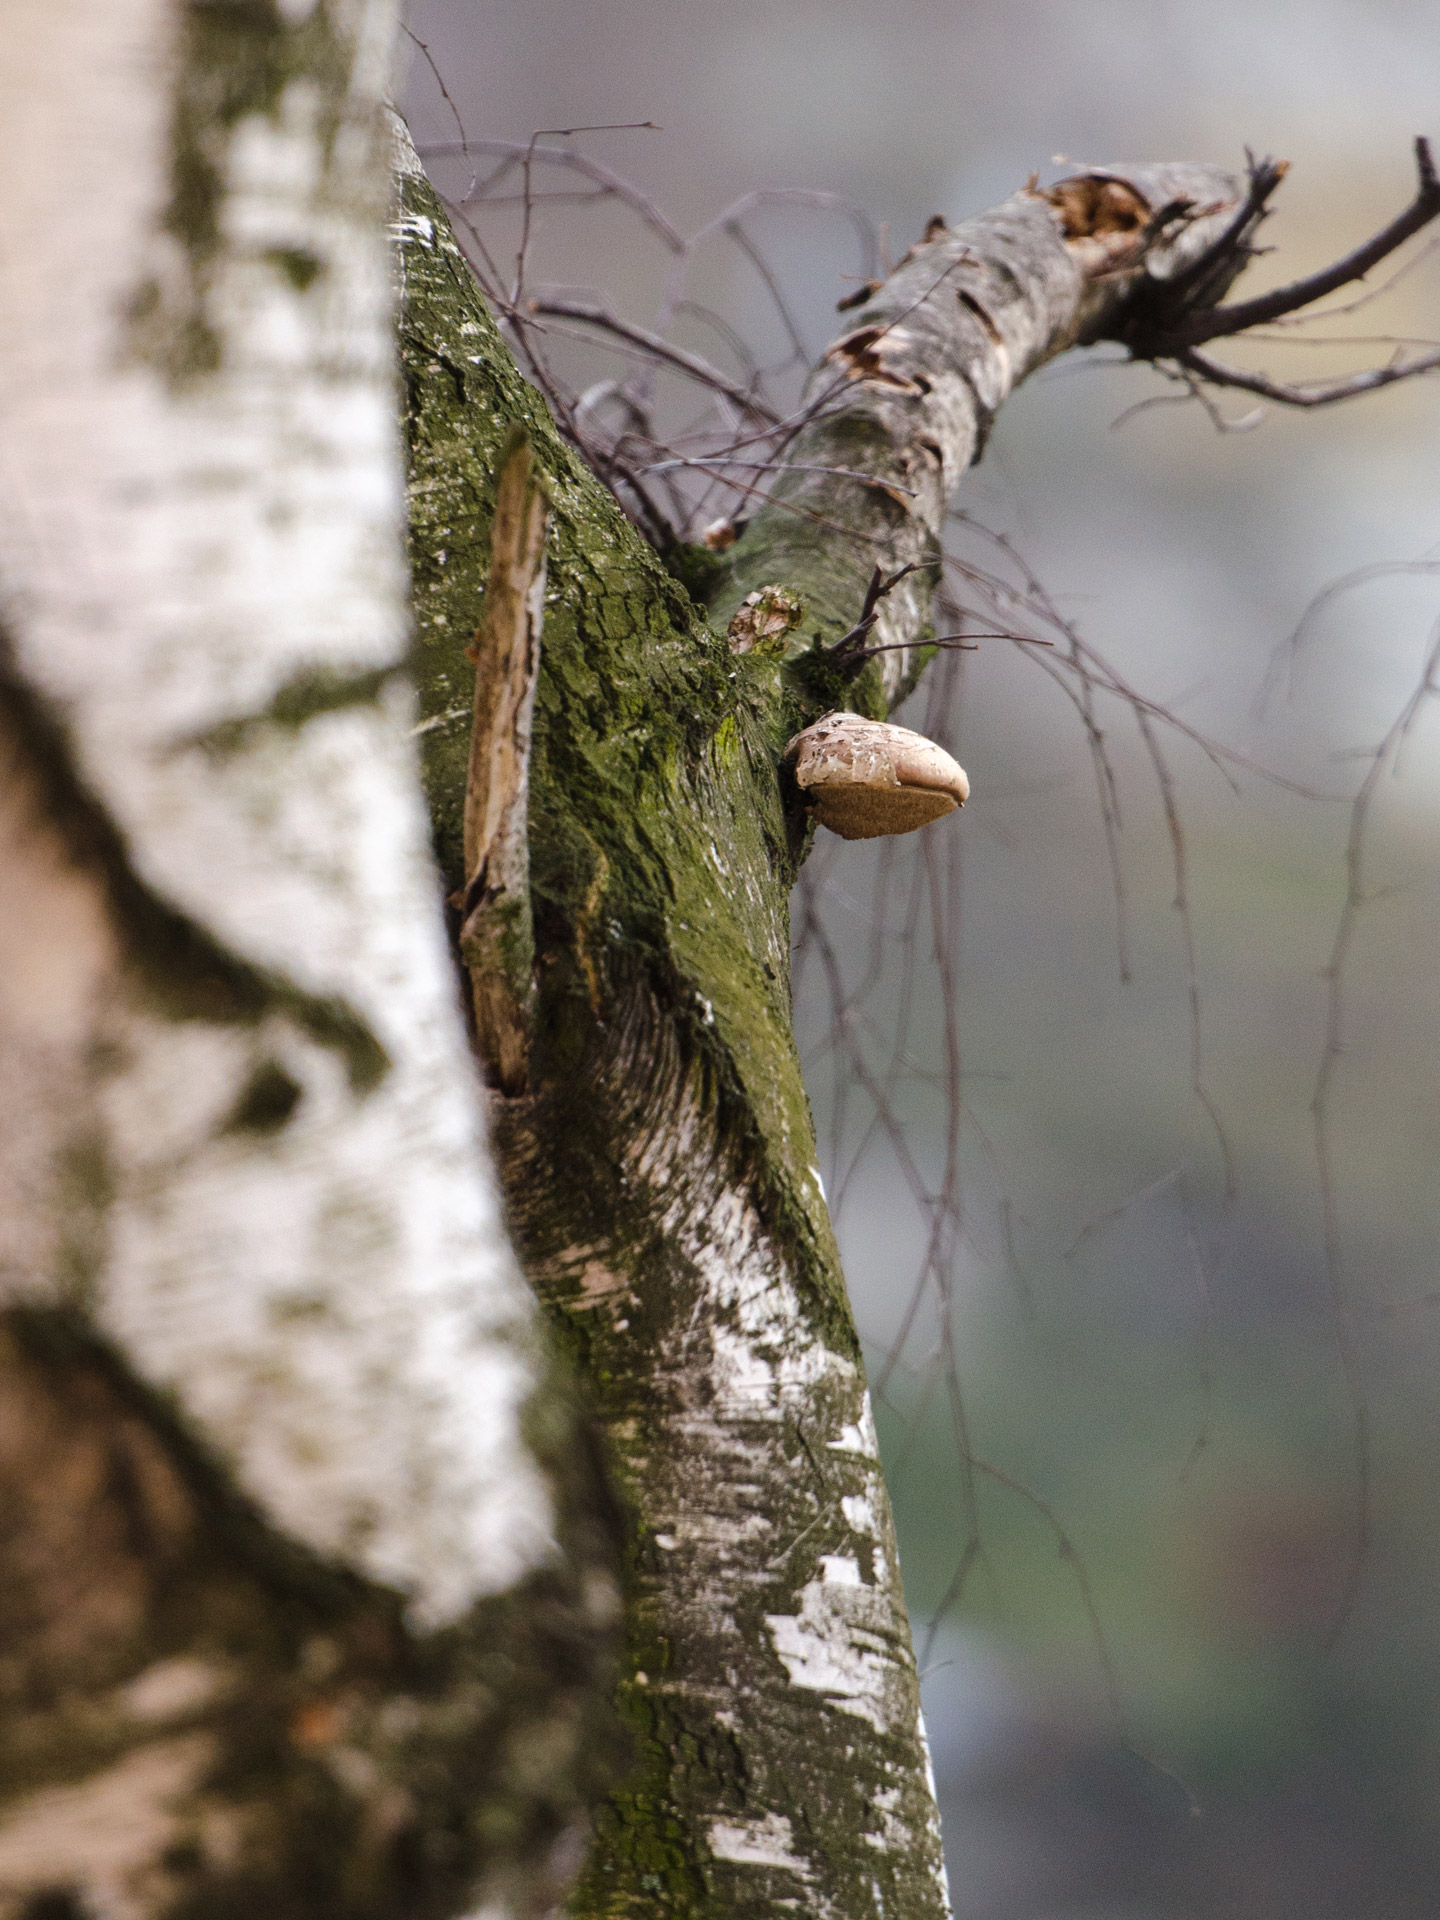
179,966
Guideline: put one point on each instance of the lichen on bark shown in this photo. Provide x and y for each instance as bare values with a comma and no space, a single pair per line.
236,60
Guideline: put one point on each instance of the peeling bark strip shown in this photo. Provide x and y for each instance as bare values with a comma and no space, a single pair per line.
302,1556
496,942
660,1179
907,395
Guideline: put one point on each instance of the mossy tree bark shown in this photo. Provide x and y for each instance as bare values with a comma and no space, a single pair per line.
304,1568
660,1178
659,1161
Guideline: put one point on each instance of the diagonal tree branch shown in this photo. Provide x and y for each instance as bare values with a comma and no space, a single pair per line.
911,389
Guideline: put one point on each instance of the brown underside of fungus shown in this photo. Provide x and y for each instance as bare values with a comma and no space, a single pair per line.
865,778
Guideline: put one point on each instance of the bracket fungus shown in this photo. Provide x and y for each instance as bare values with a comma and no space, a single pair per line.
865,778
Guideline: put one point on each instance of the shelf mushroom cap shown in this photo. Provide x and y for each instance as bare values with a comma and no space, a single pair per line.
865,778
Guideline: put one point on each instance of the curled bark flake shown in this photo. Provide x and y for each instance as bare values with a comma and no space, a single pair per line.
936,228
496,940
1091,205
1110,225
862,355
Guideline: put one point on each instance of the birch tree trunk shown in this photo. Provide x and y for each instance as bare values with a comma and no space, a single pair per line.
659,1157
305,1596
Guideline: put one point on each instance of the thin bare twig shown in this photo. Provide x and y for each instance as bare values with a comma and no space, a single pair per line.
1218,265
1370,295
439,79
1342,1315
658,349
1111,1214
1218,322
1169,801
1206,1357
1287,652
1320,393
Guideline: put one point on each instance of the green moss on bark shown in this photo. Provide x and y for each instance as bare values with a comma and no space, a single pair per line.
661,856
665,1138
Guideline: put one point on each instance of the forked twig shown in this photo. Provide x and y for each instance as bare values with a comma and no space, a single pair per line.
658,349
1342,1312
1173,324
1218,322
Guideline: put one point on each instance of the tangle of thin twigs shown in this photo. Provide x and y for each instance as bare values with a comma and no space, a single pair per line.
678,465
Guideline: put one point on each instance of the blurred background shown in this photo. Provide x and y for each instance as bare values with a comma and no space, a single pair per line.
1165,1465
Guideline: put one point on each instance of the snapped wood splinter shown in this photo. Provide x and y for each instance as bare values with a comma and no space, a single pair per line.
865,778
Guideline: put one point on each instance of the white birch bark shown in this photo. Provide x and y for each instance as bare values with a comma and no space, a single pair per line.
333,1302
241,1142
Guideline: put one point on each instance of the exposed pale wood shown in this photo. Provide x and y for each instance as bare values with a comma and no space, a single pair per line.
495,936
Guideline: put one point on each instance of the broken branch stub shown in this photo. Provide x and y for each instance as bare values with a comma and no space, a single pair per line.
497,941
764,621
865,778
